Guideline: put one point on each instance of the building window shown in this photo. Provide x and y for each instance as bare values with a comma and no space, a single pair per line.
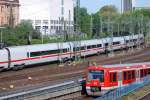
45,21
45,27
51,21
57,22
2,8
38,28
37,22
51,27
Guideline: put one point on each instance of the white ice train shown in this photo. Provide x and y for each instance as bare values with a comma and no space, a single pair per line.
17,57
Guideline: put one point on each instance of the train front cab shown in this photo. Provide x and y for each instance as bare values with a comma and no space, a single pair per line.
95,81
102,80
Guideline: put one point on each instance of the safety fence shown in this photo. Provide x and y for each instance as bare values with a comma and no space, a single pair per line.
121,91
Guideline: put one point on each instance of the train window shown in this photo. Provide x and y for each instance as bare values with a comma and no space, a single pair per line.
41,53
141,38
129,75
99,45
134,40
116,43
94,46
133,74
125,75
89,47
34,54
127,41
148,71
78,48
28,54
50,52
75,49
141,73
64,50
106,44
113,77
110,77
145,72
82,48
96,75
45,52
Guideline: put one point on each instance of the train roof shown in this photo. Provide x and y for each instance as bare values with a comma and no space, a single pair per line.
40,47
65,44
121,66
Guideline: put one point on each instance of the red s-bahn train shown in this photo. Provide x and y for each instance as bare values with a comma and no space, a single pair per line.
101,79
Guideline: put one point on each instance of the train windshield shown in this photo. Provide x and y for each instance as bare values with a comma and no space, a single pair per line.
96,75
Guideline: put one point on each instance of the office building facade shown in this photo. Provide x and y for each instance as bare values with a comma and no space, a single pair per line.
60,18
9,12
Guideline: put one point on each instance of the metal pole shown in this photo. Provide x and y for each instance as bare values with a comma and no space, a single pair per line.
69,28
42,37
101,21
91,29
121,6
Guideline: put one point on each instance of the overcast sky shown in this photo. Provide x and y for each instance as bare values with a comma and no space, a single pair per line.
30,8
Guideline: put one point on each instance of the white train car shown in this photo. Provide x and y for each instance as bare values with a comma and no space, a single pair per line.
93,47
19,56
114,43
87,47
133,40
4,60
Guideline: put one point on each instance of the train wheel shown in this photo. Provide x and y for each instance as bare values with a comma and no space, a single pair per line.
15,68
98,53
18,67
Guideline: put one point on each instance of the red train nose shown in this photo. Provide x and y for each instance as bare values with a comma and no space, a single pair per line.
95,83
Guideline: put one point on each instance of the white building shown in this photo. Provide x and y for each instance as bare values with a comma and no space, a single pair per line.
53,16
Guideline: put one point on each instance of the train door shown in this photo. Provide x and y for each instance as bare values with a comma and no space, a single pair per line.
8,58
119,79
138,75
83,50
106,47
60,51
70,51
76,50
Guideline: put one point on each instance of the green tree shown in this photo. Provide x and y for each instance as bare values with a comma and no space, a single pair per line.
84,21
105,20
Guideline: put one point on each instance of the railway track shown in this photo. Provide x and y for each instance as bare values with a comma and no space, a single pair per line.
145,97
53,73
62,90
